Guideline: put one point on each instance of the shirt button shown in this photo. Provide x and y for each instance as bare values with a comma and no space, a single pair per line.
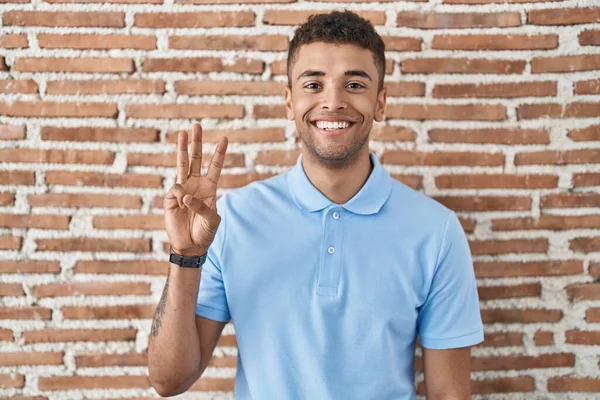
331,250
336,215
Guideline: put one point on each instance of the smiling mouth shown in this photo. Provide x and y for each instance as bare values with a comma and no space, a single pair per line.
332,128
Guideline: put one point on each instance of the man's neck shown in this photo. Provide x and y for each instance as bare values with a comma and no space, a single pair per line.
338,184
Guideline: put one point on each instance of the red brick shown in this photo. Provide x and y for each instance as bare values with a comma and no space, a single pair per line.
55,156
32,313
195,19
592,315
586,179
7,199
411,180
405,89
97,134
107,1
237,135
432,20
121,86
94,41
496,181
14,41
500,90
590,38
548,222
170,160
495,1
500,269
11,289
12,380
17,177
223,362
29,267
402,43
293,17
393,132
585,244
460,112
135,311
268,111
34,358
184,111
83,200
570,200
148,222
94,244
3,66
92,289
34,221
543,338
461,66
409,157
582,337
10,242
509,246
236,2
12,132
197,64
93,382
6,335
79,335
245,88
51,109
520,316
589,86
146,267
103,180
572,63
18,86
569,384
486,203
495,42
582,110
64,19
502,339
558,157
553,360
213,385
111,360
584,291
496,136
502,385
509,291
81,64
563,16
230,42
591,132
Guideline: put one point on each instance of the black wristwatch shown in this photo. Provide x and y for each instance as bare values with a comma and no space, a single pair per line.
186,262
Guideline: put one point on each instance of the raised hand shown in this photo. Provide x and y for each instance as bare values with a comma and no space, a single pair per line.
190,206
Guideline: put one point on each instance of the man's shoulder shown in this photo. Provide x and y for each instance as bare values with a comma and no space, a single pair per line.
256,192
418,206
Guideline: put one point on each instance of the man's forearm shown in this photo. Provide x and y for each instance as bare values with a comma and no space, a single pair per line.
174,357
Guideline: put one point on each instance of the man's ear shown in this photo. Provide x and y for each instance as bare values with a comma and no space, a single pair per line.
289,106
380,105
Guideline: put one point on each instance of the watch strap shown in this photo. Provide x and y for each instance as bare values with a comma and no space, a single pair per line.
186,262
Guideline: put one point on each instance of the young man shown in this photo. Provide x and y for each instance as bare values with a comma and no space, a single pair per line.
329,271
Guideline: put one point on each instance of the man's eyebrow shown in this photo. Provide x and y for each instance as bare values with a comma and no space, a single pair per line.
352,72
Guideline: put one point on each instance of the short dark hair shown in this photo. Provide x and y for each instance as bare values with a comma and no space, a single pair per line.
340,27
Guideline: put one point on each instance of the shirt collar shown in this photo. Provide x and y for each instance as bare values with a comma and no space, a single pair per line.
369,199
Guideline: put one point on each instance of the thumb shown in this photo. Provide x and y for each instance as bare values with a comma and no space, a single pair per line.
194,204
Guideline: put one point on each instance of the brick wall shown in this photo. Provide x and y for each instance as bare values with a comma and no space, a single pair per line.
494,110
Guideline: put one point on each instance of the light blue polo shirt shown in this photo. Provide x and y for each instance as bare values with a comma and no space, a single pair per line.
327,299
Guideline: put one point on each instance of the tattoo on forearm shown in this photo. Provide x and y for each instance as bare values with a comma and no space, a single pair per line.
160,309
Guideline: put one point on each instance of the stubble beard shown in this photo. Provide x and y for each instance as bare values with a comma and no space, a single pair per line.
333,156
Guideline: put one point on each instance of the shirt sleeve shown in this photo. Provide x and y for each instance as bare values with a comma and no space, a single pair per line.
212,298
450,316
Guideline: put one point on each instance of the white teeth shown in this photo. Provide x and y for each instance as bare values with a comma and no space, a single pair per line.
332,125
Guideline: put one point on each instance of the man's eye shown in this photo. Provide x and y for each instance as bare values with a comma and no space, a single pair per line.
356,85
311,86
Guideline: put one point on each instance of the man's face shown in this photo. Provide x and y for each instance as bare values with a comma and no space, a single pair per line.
334,100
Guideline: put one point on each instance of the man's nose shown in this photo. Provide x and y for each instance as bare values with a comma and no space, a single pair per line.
333,99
